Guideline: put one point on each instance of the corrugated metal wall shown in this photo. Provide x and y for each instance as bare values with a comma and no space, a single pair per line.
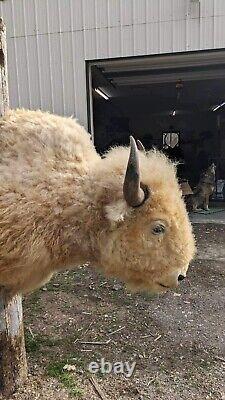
49,41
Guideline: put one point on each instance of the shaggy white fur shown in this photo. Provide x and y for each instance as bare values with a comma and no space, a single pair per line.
62,205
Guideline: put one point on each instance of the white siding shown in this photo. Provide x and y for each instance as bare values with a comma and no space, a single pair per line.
49,41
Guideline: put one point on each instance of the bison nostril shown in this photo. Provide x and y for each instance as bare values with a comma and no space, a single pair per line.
181,277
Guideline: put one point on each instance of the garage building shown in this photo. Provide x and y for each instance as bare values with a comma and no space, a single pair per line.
151,68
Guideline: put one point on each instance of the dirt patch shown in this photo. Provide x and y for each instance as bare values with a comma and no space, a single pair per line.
177,340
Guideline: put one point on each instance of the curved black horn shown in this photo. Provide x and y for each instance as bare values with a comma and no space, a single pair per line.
140,146
132,190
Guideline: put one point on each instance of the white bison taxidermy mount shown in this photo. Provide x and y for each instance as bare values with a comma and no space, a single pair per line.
62,205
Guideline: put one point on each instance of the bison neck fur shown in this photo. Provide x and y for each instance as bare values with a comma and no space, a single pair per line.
62,205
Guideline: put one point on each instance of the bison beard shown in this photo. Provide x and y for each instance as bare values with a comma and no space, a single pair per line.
62,205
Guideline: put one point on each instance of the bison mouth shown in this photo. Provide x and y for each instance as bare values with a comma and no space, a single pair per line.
164,286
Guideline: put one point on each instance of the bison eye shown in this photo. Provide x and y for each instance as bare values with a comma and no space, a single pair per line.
158,229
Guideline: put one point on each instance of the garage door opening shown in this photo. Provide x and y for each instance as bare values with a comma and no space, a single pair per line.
175,103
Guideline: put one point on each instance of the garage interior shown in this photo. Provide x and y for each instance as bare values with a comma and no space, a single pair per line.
151,97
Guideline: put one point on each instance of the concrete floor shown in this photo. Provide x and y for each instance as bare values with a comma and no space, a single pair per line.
214,218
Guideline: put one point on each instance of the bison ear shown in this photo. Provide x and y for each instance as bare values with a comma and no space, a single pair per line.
117,211
140,146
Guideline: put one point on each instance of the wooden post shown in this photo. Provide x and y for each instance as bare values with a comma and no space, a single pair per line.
4,92
13,367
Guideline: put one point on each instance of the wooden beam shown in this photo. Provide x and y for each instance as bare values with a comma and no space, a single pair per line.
13,366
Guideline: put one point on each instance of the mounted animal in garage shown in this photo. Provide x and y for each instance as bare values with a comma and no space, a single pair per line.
204,189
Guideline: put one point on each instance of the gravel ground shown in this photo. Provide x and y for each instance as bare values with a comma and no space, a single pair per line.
177,340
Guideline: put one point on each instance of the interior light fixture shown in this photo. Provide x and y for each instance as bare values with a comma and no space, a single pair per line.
219,106
173,113
101,93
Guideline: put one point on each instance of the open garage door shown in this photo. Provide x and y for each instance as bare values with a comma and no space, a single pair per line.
154,97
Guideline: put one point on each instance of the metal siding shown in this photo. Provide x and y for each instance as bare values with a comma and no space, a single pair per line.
29,17
207,33
76,9
41,17
126,12
57,84
152,11
13,75
37,37
45,73
219,34
67,62
115,44
153,38
22,72
101,13
166,38
49,41
165,10
127,41
140,39
33,74
64,15
18,18
114,13
90,44
179,36
80,78
54,23
139,12
179,9
219,8
193,34
207,8
102,39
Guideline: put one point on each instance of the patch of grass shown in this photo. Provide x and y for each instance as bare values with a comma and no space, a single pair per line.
33,304
32,345
76,358
62,282
54,287
147,296
55,370
120,297
50,342
66,306
35,343
205,365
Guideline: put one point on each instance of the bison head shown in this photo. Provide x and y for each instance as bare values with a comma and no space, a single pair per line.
148,242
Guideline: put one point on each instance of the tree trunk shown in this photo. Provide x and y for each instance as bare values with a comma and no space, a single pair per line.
13,367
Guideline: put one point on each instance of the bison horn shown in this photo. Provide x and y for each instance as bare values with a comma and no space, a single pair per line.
135,193
140,146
